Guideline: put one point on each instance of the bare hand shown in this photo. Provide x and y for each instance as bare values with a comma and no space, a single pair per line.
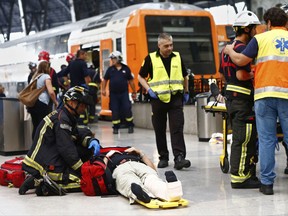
104,92
134,96
229,47
132,149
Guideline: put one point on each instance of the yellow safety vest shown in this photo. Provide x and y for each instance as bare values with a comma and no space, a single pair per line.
161,84
271,77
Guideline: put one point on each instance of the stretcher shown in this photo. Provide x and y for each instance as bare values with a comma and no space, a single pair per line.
215,107
156,204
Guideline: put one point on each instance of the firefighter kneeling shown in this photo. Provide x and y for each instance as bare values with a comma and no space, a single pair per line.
59,148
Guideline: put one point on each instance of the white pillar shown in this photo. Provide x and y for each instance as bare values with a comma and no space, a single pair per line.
22,16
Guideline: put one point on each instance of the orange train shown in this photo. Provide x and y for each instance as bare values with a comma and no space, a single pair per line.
133,31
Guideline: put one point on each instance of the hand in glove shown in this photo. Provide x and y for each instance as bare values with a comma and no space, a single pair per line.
185,98
152,93
95,144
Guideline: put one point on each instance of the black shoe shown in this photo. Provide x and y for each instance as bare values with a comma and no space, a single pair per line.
130,130
266,189
139,193
247,184
170,176
181,162
115,130
162,163
28,184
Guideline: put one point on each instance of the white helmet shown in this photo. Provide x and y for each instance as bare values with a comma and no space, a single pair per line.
246,18
116,54
285,8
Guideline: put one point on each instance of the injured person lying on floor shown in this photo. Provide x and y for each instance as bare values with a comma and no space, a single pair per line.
137,179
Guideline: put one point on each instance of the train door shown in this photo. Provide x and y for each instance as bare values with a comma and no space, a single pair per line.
106,47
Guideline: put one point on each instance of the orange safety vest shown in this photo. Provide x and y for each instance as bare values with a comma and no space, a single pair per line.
271,76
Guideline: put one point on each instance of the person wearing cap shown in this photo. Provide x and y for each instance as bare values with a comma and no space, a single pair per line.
119,75
270,51
60,147
239,93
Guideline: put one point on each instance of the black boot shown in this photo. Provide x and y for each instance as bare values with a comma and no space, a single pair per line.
28,184
139,193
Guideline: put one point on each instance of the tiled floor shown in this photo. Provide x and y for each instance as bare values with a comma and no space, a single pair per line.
205,186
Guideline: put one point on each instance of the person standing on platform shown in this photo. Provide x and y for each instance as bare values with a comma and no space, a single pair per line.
119,75
33,68
44,55
167,87
93,90
77,71
239,93
42,107
270,51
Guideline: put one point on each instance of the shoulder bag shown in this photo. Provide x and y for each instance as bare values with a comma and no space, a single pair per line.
29,95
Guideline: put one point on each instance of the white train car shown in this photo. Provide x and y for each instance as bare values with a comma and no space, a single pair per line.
132,30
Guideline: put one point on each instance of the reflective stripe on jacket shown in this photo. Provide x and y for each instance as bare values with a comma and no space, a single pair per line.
271,77
161,84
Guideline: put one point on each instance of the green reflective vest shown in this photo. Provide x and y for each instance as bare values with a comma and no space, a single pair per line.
161,84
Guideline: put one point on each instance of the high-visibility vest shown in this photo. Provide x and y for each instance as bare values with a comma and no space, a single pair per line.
161,84
271,71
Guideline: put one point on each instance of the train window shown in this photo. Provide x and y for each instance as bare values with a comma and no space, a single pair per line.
191,37
62,45
119,44
106,60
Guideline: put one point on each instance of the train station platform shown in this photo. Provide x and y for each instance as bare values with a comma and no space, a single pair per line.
204,185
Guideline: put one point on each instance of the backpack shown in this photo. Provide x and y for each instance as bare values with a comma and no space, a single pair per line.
11,173
29,95
96,177
226,63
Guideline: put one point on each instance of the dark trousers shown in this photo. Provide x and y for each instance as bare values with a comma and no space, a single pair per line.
243,150
120,106
92,108
38,112
174,109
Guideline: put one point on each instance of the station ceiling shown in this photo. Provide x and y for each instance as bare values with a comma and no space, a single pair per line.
38,15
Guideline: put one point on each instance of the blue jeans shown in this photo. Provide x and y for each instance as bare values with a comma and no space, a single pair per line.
267,111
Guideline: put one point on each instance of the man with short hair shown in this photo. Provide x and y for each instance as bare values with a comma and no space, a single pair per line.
137,179
119,75
167,86
270,51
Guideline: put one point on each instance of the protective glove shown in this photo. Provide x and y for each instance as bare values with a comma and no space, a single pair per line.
185,98
220,98
152,93
95,144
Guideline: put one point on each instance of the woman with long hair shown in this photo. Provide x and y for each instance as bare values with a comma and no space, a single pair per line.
41,107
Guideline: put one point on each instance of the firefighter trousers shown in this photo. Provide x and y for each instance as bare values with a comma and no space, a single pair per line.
243,150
